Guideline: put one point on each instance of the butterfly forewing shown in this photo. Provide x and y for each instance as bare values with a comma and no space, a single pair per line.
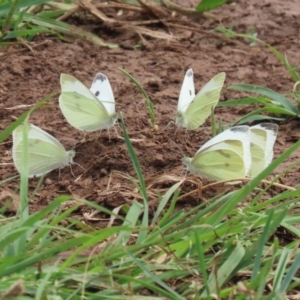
187,92
69,83
216,83
101,88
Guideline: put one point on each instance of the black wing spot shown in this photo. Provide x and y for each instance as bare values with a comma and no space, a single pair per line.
190,93
97,93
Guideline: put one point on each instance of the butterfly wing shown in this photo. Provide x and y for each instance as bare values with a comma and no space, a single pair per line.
81,107
45,153
206,100
187,92
262,138
101,88
186,96
226,156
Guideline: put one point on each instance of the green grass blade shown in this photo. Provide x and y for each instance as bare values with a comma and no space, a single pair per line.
290,275
164,201
202,262
154,278
149,104
7,22
24,33
205,5
284,102
130,221
66,29
261,244
216,280
23,209
245,101
7,7
8,130
256,114
138,170
280,270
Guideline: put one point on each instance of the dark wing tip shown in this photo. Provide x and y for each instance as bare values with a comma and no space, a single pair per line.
101,77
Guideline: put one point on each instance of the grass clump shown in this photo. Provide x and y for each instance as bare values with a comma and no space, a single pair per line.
224,248
21,20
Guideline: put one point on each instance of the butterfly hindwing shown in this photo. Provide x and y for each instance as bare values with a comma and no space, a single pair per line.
262,137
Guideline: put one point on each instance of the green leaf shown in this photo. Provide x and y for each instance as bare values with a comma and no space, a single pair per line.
6,7
245,101
284,102
205,5
254,118
27,32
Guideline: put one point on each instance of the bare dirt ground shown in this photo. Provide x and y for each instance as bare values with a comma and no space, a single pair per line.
28,76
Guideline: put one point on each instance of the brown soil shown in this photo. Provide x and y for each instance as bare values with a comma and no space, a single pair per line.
28,76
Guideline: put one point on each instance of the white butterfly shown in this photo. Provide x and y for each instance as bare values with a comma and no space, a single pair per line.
193,110
262,137
45,152
225,156
87,109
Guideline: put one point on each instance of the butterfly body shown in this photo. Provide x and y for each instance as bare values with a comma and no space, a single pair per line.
45,153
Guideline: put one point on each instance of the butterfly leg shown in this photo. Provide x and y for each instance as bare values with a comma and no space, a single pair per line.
171,122
116,131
